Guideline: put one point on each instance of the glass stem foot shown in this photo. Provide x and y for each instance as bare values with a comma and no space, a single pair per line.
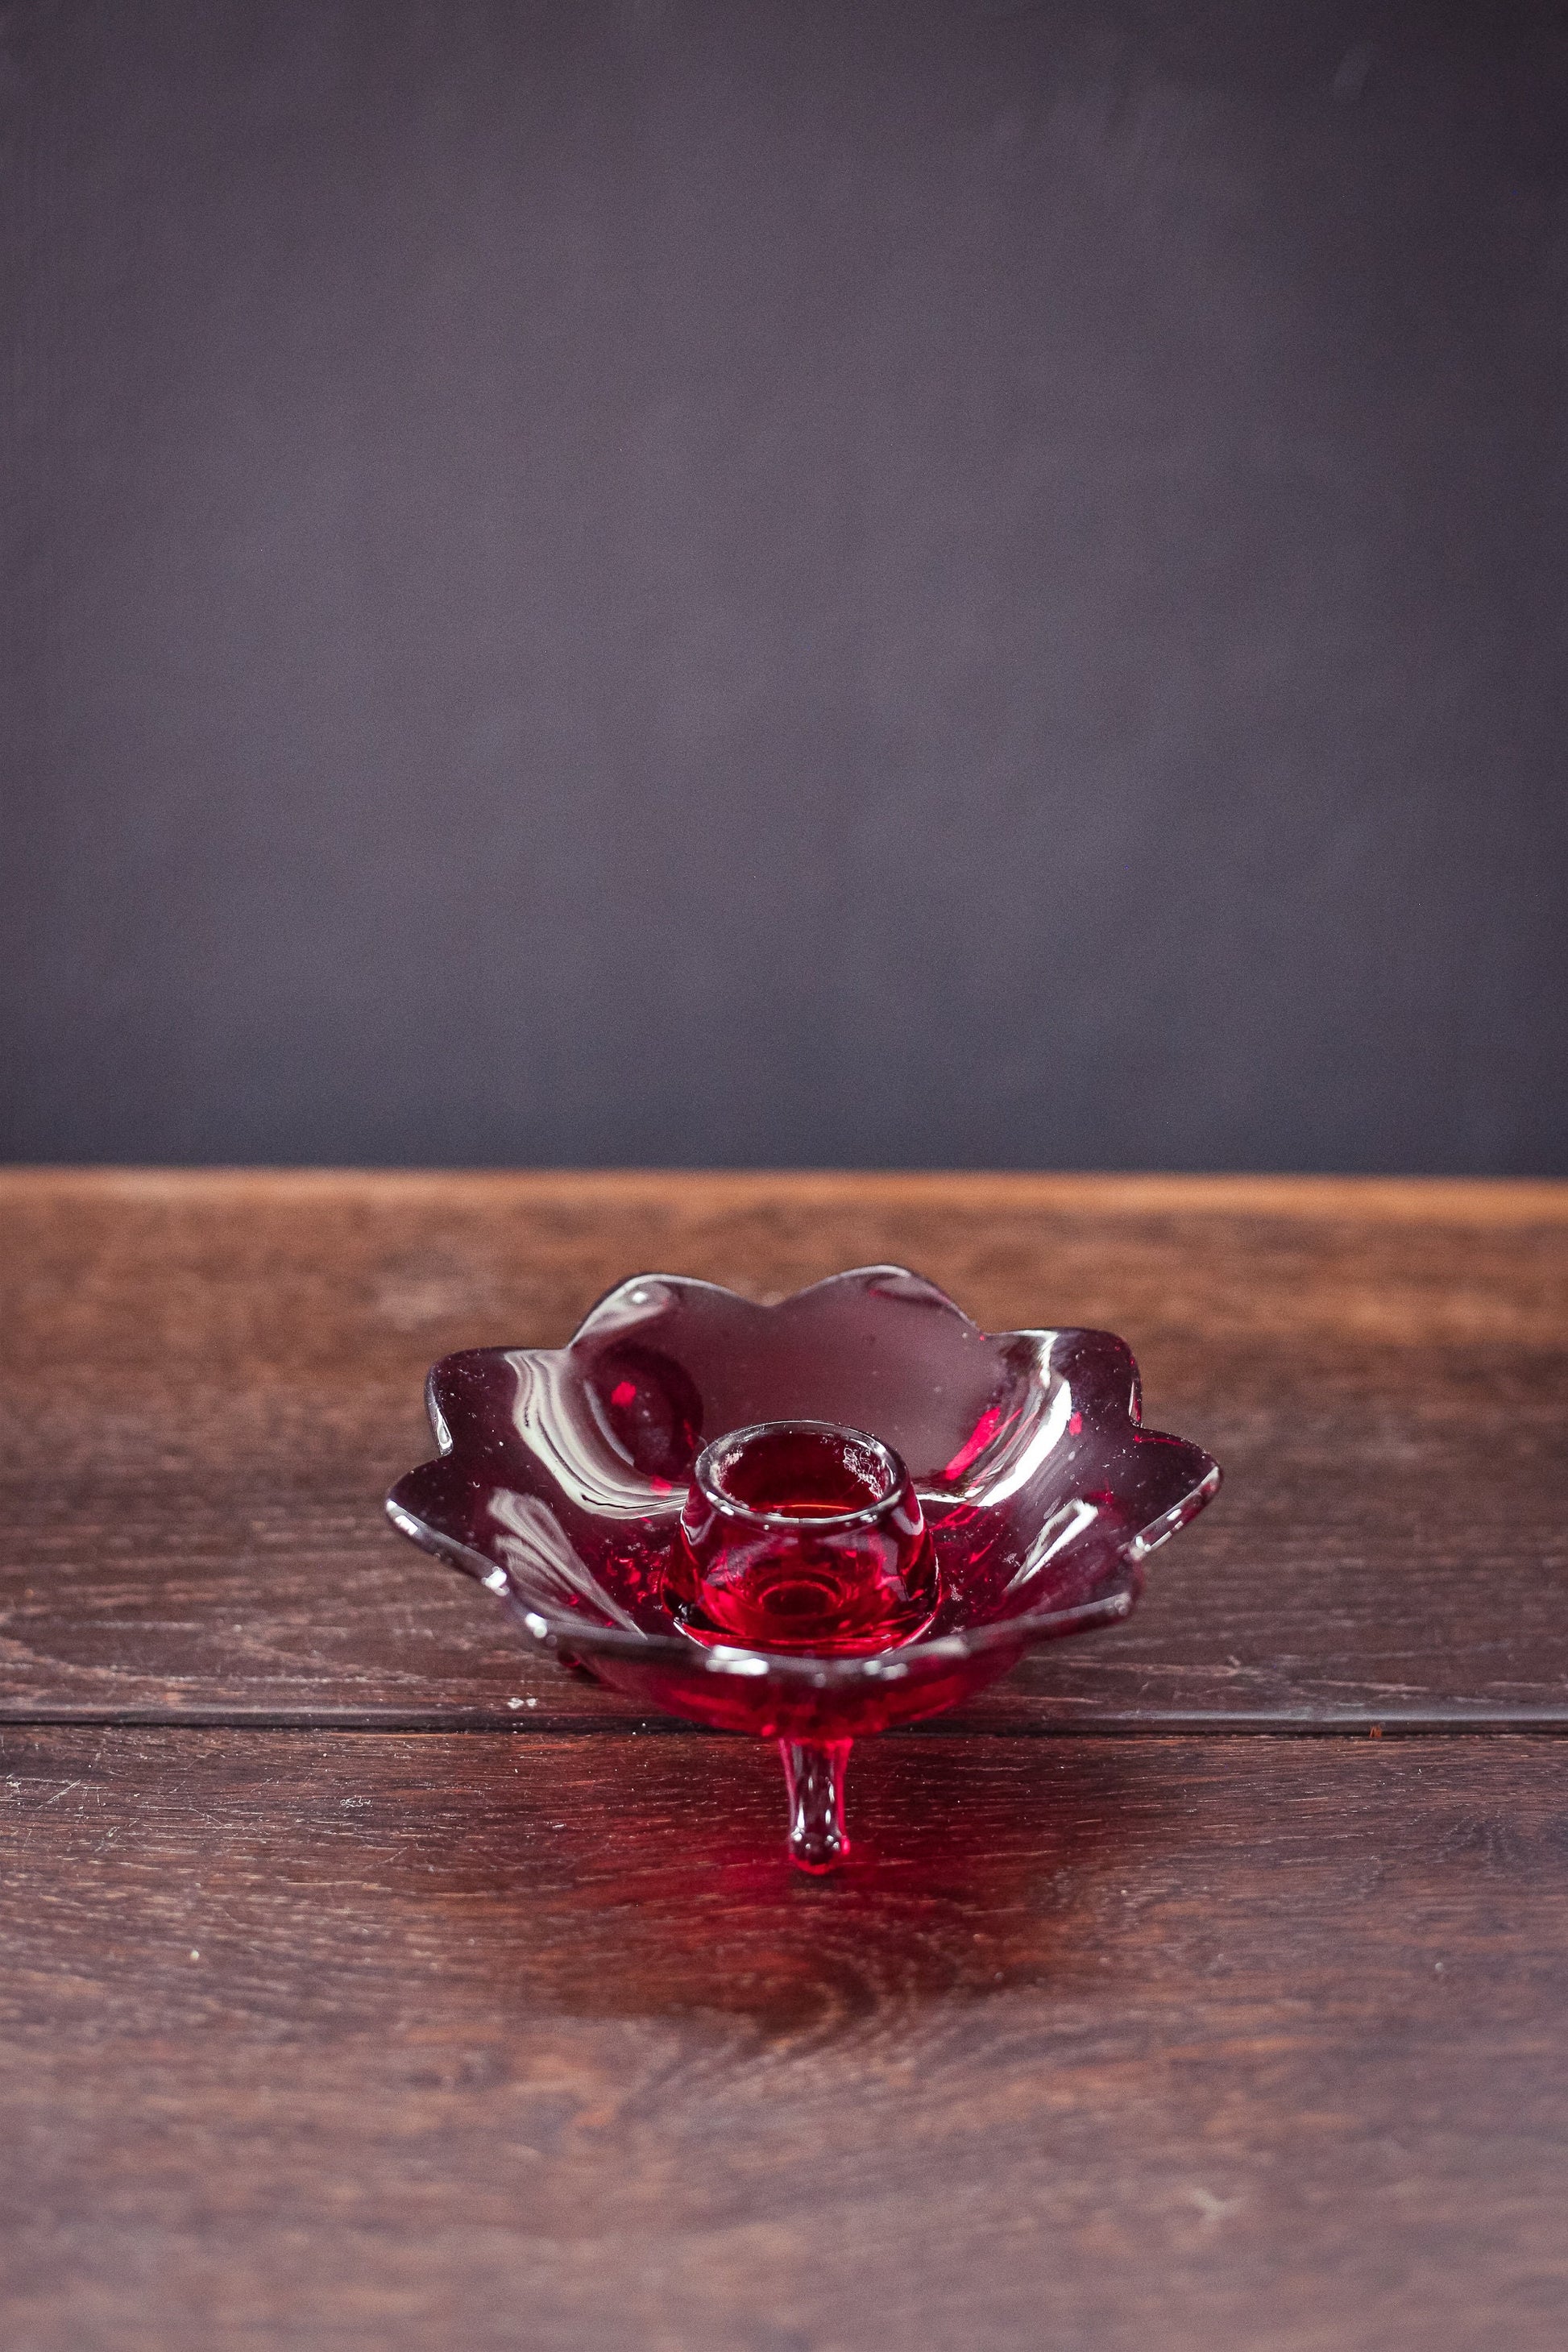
814,1769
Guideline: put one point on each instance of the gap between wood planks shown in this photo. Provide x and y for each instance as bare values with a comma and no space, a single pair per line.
1547,1722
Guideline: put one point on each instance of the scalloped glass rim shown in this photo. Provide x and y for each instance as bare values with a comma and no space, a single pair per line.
1111,1598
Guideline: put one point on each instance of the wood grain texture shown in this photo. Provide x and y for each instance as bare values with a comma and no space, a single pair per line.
207,1380
391,2041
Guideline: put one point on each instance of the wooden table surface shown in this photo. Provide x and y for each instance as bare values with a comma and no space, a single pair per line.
1204,1985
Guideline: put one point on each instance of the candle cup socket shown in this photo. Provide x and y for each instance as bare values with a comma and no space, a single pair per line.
800,1536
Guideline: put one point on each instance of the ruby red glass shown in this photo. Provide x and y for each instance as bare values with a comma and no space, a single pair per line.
800,1536
808,1521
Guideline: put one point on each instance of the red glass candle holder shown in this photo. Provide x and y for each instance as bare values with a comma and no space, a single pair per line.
808,1521
798,1536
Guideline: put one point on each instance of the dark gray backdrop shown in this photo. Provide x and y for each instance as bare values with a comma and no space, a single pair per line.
950,581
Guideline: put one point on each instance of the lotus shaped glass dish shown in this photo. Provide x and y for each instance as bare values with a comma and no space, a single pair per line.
563,1475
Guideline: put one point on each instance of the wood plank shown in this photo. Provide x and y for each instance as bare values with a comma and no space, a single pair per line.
384,2041
207,1381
